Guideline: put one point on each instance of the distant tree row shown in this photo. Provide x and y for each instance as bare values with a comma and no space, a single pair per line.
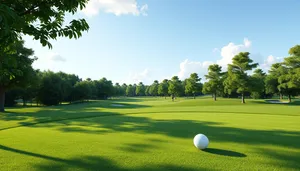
18,80
173,87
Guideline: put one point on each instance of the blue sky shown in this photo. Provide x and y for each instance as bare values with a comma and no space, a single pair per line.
143,40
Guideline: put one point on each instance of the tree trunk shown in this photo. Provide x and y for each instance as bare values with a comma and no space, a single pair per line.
2,99
215,96
165,97
24,102
280,96
290,99
194,96
243,98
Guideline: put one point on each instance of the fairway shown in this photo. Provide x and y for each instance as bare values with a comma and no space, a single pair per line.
146,134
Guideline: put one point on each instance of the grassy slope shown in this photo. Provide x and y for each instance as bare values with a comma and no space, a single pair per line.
151,134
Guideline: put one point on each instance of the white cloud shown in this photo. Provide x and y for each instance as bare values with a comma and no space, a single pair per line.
230,50
56,57
188,67
116,7
269,62
247,43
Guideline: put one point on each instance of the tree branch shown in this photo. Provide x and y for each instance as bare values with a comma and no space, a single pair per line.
28,11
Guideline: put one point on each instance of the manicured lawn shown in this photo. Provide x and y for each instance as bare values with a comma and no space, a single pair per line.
151,134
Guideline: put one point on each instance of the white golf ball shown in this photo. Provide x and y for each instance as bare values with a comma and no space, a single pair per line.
201,141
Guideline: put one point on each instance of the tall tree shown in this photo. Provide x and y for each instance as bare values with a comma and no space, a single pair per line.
68,81
82,90
174,87
118,90
193,85
43,20
50,89
140,89
258,84
289,79
271,81
163,88
104,88
154,88
15,69
147,90
134,89
123,90
238,79
130,91
214,84
29,89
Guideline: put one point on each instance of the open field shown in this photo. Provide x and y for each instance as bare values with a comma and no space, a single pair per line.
151,134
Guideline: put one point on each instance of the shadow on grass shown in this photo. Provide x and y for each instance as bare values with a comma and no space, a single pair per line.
90,163
138,148
5,148
287,158
59,113
224,152
78,120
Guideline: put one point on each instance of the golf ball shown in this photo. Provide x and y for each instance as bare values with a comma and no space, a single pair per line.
201,141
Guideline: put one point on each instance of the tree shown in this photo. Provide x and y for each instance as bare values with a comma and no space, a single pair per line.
289,79
214,77
118,90
82,90
257,81
68,82
193,85
15,69
123,90
174,87
130,91
147,91
271,81
30,89
295,51
11,96
44,20
163,88
237,79
140,89
104,88
50,89
154,88
134,89
182,88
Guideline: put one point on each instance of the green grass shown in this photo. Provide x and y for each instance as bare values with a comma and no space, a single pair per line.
151,134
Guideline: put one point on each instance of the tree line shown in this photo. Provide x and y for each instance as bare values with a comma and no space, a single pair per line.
18,80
